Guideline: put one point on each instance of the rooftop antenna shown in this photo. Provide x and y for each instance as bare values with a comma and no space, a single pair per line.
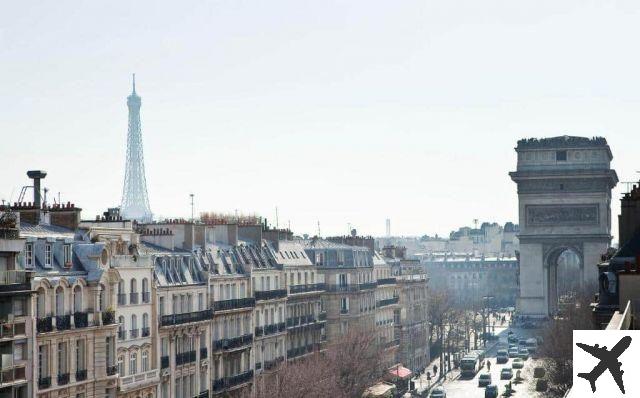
191,195
318,228
134,83
276,217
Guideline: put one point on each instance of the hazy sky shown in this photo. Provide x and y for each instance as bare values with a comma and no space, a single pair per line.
333,111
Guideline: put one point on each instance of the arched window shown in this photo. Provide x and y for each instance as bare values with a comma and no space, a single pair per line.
77,299
145,291
121,327
133,363
134,323
121,365
121,287
145,361
145,324
134,285
59,301
40,304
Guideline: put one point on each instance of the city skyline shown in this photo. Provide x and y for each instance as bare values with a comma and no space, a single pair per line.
307,115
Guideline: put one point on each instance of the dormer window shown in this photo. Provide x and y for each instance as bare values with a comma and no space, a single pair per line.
47,255
28,255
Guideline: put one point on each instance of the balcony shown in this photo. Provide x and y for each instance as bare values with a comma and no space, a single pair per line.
203,353
112,370
44,383
314,287
138,380
146,297
81,375
63,379
108,317
299,351
239,379
133,333
343,288
80,320
13,277
204,394
322,316
185,357
164,362
63,322
270,294
187,317
122,299
133,298
344,311
234,304
146,332
274,328
386,302
259,331
44,325
232,343
368,285
386,281
122,334
268,365
10,375
218,384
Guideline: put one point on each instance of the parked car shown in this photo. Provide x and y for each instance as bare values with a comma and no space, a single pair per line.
506,374
491,391
484,380
513,339
502,356
514,353
522,342
523,353
518,363
438,392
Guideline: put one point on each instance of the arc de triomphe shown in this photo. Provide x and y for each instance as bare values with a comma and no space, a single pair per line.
564,202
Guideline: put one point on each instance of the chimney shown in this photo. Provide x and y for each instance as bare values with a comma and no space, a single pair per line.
629,219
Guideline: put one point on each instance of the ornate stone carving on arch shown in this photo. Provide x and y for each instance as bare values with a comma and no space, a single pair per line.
551,252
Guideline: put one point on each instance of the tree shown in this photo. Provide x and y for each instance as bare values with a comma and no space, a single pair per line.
556,350
346,369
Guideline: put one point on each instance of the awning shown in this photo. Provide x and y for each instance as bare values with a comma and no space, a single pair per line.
400,372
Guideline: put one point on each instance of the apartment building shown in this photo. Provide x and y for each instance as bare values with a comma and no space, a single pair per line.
388,308
16,331
349,297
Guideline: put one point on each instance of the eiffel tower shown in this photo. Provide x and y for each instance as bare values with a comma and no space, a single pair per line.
135,200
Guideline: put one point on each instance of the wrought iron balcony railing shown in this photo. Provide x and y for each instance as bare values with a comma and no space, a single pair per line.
270,294
187,317
164,362
145,332
234,304
112,370
314,287
387,281
203,353
63,322
133,298
44,325
108,317
133,333
146,297
389,301
44,382
122,298
80,320
81,375
235,342
185,357
63,379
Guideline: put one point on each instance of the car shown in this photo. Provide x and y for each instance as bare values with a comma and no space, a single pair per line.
513,339
438,392
484,380
518,363
514,353
502,356
522,342
506,373
523,353
491,391
510,332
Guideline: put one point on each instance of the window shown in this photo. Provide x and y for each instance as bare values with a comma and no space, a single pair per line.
40,304
134,286
59,301
145,361
134,323
161,306
43,361
62,359
121,365
145,321
80,354
133,363
561,156
67,254
28,255
77,299
47,255
200,301
101,298
145,290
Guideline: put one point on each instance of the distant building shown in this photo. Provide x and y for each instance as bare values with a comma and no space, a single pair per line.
490,239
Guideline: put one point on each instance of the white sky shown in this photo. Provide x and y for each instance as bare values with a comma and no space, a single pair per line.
337,111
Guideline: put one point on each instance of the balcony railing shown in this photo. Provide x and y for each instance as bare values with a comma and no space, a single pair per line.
314,287
108,317
44,382
389,301
299,351
344,310
63,322
133,333
343,288
81,375
387,281
239,379
218,384
122,299
203,353
322,316
270,294
80,319
133,298
235,342
164,362
122,334
204,394
259,331
13,277
146,297
44,325
272,363
145,332
63,379
234,304
135,381
368,285
185,357
112,370
187,317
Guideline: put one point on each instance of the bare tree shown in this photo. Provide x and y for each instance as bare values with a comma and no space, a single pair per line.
557,347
